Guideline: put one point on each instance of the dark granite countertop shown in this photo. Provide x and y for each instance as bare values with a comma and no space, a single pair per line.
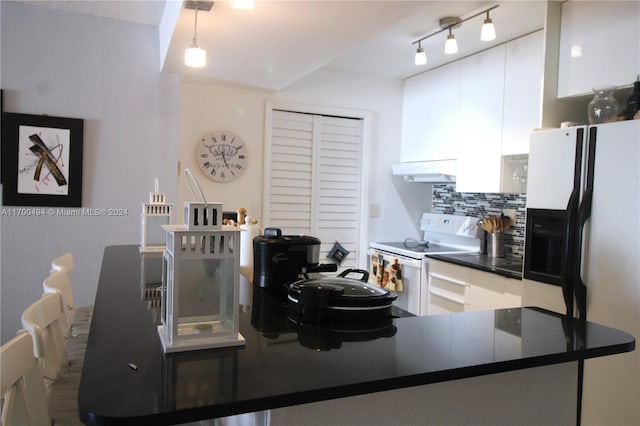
511,268
284,364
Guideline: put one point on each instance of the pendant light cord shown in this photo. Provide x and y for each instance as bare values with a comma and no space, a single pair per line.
195,28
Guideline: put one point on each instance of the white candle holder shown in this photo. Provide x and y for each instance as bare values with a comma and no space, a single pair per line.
155,213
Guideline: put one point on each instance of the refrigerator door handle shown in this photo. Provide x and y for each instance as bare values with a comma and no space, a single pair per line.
572,251
584,213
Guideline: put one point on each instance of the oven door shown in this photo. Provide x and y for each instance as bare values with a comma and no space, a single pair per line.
413,296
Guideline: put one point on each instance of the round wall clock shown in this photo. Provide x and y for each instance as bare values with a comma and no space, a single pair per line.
222,156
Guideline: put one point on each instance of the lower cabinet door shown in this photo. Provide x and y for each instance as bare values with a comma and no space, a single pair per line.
448,288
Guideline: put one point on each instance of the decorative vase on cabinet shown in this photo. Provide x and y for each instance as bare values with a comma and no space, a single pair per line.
604,106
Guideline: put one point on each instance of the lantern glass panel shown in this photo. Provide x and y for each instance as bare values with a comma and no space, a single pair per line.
167,274
151,279
155,234
206,296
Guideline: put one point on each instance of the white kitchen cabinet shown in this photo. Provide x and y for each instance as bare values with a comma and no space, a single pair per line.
599,45
512,293
448,288
481,106
415,103
430,114
522,92
476,110
493,291
486,291
456,288
444,104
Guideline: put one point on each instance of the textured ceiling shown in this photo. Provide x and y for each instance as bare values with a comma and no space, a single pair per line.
147,12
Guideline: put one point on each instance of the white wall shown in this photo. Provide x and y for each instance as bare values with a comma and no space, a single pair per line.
107,73
207,106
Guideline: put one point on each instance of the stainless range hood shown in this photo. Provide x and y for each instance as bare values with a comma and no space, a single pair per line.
426,171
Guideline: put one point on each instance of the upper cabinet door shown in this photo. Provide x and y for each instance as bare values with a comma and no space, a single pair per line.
430,115
522,92
443,118
599,45
415,104
481,106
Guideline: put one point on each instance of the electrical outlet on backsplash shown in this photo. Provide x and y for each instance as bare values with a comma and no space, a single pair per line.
447,200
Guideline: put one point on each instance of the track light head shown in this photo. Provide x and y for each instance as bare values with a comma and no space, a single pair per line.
488,31
421,56
451,45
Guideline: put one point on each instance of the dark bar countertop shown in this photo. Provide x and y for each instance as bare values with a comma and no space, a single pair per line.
127,378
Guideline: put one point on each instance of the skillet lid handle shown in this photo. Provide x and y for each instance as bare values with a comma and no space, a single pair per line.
365,274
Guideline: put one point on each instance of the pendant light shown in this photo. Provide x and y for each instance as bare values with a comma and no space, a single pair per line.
451,45
194,56
488,31
421,56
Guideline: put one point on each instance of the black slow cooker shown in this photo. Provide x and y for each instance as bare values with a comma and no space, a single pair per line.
338,299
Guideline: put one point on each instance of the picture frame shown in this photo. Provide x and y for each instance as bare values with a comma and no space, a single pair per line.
41,160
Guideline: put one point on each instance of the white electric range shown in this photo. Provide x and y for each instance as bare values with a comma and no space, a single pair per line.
442,234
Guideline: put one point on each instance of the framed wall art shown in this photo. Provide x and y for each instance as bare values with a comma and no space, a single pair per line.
41,160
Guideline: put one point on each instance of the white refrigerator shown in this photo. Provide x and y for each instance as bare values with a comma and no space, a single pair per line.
605,245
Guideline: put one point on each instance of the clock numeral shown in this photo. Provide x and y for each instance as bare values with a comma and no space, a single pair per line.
241,156
204,155
223,137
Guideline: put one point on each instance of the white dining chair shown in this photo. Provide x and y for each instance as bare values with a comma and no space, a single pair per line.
24,399
41,320
75,336
62,378
78,318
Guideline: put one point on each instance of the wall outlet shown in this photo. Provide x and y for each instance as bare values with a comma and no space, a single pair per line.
511,214
374,210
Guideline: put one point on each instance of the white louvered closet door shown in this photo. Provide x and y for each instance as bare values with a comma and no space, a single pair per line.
314,179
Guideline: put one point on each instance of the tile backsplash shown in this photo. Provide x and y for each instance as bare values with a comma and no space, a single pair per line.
447,200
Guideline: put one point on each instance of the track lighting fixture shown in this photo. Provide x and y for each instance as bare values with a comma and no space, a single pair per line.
421,56
487,33
194,56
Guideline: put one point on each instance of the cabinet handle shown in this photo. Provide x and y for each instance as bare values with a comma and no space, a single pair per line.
449,280
447,297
